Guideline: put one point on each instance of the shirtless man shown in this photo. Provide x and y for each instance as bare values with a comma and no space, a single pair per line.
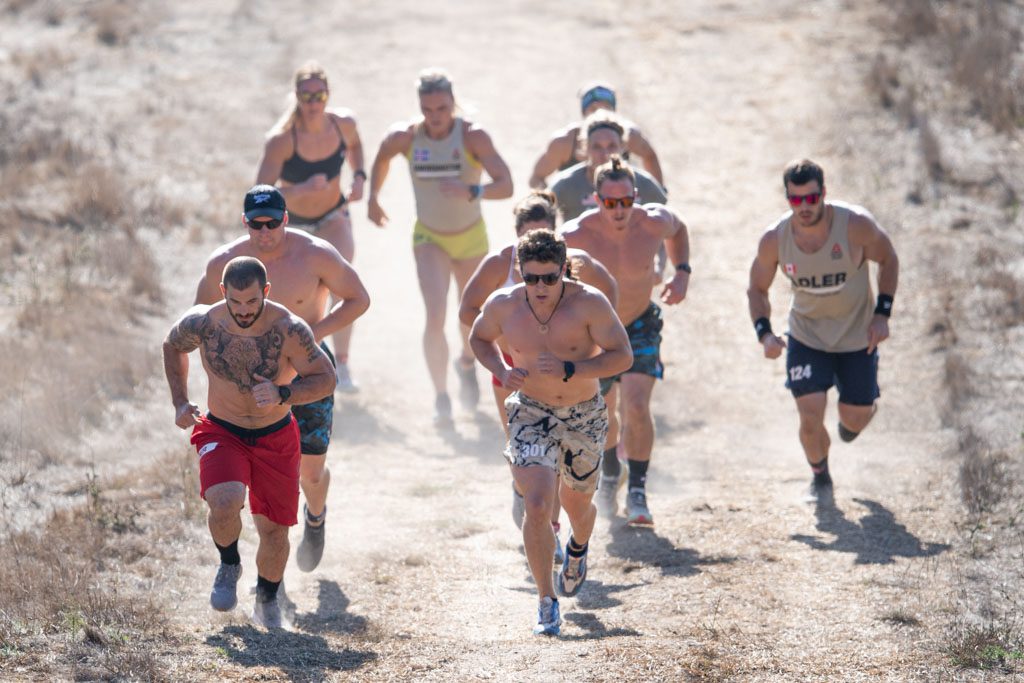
563,150
305,270
625,238
446,156
562,336
823,248
260,360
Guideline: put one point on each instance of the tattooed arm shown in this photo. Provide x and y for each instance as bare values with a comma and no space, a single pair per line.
184,337
316,378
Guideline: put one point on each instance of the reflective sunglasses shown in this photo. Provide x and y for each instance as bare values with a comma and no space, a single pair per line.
547,278
612,202
796,200
313,96
271,224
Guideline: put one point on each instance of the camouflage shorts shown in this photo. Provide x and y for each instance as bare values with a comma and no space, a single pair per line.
568,440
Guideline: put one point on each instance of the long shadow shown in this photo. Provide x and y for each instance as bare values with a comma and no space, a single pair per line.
299,656
357,425
594,627
877,538
331,613
647,547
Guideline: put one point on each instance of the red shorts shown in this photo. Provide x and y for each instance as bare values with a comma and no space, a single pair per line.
265,460
508,359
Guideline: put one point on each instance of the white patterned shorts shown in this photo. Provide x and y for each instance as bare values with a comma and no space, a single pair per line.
568,440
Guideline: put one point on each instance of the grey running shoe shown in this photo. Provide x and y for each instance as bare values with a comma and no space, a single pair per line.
820,489
311,548
637,513
549,618
346,384
573,574
224,595
518,507
608,491
268,614
559,548
443,412
469,390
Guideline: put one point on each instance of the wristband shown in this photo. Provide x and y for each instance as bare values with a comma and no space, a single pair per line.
285,393
360,173
570,370
475,191
884,305
762,326
685,267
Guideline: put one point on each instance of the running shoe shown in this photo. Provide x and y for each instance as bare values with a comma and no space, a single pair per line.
608,490
268,614
346,384
559,548
518,507
820,489
469,390
549,618
311,548
443,412
637,512
224,595
573,574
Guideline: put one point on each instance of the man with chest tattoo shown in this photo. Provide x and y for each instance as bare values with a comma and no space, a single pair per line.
823,248
304,270
626,238
260,359
562,336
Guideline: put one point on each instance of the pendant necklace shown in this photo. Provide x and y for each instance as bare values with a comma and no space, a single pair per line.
544,323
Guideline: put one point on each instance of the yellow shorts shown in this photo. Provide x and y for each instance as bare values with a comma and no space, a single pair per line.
470,243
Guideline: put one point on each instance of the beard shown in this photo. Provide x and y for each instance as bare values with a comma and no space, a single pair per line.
246,322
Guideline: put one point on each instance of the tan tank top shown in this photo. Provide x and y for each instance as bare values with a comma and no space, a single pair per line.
430,162
832,305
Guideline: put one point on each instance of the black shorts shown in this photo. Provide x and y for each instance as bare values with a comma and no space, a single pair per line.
316,420
313,224
854,373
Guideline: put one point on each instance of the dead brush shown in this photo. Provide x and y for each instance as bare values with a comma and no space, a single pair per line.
988,646
915,19
984,479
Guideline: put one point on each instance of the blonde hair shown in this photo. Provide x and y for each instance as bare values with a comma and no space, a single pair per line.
308,71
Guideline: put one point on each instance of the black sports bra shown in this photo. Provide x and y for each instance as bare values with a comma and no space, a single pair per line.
296,169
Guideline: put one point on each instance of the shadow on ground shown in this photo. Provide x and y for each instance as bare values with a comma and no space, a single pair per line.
331,615
648,548
876,538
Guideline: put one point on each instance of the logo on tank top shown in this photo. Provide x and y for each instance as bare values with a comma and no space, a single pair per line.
790,269
837,252
826,281
420,154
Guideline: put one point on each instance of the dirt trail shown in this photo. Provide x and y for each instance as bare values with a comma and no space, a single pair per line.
423,576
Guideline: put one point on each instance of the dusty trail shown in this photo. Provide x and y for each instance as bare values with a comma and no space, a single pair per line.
423,576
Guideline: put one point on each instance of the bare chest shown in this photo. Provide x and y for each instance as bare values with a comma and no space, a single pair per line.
236,359
297,289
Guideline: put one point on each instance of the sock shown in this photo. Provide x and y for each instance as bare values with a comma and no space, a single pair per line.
229,553
638,473
821,467
576,550
610,465
266,590
315,520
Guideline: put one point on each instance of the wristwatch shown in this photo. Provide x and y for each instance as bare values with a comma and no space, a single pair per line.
570,370
685,267
285,393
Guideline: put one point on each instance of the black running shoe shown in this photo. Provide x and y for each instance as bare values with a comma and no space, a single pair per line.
820,488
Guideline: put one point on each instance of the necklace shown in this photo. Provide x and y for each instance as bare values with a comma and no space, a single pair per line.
544,323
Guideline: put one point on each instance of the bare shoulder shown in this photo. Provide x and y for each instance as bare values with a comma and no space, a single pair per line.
189,331
342,115
769,242
220,256
567,134
588,298
279,141
501,300
657,217
400,133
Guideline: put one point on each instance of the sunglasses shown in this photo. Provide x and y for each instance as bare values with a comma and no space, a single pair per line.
547,278
612,202
314,96
270,224
796,200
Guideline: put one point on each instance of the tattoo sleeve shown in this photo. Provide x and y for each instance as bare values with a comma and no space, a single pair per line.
187,334
300,331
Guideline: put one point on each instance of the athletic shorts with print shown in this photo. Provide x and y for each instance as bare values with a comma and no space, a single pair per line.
645,341
853,373
266,460
316,419
566,439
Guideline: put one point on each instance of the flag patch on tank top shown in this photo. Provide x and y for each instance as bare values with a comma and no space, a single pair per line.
420,154
837,252
790,269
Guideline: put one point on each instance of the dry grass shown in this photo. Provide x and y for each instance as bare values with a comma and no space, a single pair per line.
983,476
987,646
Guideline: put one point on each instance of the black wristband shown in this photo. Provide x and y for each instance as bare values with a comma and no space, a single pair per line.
884,305
762,326
360,173
685,267
285,393
570,370
475,191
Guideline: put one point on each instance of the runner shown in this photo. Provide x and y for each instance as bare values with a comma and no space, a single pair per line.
499,270
446,155
562,336
564,151
626,238
303,155
305,271
823,248
251,349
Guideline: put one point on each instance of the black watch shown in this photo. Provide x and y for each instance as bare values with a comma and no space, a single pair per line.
285,393
570,370
685,267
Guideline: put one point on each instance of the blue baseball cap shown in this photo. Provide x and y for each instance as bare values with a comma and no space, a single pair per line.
264,200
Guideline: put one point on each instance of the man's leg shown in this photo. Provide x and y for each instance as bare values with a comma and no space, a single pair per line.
815,441
469,390
271,558
612,477
538,486
434,269
315,479
225,502
638,439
